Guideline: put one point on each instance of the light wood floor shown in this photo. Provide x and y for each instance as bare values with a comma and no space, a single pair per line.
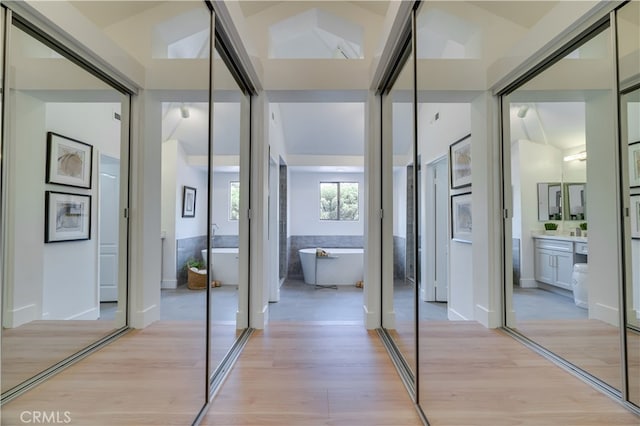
320,374
33,347
313,374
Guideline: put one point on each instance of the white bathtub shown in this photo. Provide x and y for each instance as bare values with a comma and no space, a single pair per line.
224,265
343,266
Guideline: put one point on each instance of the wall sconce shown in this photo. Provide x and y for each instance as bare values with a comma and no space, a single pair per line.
184,111
580,156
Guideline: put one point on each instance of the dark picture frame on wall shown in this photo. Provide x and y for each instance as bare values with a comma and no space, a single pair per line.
69,161
634,164
634,215
461,217
67,217
460,162
188,201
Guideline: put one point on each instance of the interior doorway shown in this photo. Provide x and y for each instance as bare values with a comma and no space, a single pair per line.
437,210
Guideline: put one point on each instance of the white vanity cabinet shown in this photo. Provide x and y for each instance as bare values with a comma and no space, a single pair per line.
554,260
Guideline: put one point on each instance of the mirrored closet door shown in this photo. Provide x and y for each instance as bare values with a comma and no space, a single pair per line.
628,30
560,148
65,182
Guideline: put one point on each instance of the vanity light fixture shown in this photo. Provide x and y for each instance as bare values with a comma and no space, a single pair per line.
184,111
522,111
581,156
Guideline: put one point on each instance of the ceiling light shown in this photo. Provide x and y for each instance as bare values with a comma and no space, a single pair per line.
522,111
184,111
581,156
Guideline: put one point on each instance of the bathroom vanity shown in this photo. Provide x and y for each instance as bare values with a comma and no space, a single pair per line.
555,257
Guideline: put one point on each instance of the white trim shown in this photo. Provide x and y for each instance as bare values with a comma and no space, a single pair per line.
145,317
21,315
608,314
454,315
89,314
528,283
169,284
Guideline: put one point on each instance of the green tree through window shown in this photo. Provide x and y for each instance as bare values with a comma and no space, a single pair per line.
339,201
234,200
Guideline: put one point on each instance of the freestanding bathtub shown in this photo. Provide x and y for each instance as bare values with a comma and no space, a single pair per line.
224,265
342,266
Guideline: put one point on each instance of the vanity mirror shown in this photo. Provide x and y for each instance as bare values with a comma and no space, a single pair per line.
575,196
549,201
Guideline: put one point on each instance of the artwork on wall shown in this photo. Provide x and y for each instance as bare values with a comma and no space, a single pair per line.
68,161
634,164
188,201
460,162
67,217
634,215
461,217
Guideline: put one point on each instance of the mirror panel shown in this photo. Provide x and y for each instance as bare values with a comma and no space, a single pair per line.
64,238
565,295
229,243
628,25
575,196
549,201
399,288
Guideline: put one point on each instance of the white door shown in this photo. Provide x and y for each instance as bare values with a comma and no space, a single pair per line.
109,191
436,232
441,227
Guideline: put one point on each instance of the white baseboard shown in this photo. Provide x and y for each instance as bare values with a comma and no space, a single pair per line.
486,317
528,283
371,318
89,314
172,284
453,315
605,313
144,318
260,319
389,320
22,315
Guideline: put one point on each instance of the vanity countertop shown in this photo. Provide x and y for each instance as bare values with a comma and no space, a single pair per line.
561,237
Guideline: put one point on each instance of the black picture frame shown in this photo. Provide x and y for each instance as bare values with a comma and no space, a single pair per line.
188,201
460,163
634,164
69,161
67,217
461,217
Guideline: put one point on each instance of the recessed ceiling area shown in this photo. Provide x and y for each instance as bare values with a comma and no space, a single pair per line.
323,128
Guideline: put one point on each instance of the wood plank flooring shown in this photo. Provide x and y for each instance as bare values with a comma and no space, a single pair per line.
313,374
299,374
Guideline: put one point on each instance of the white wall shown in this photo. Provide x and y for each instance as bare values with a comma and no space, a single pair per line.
602,209
400,202
434,138
304,200
54,280
176,173
187,175
222,203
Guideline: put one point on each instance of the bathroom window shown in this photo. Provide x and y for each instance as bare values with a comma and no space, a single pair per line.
339,201
234,200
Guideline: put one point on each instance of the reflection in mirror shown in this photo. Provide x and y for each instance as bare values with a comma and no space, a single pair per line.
65,290
228,246
549,201
399,300
628,20
575,196
565,293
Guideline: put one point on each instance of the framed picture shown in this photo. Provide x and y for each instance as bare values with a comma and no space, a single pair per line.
67,217
460,163
188,201
634,215
634,164
68,161
461,217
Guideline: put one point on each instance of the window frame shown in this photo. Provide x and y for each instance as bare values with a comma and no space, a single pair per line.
339,183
